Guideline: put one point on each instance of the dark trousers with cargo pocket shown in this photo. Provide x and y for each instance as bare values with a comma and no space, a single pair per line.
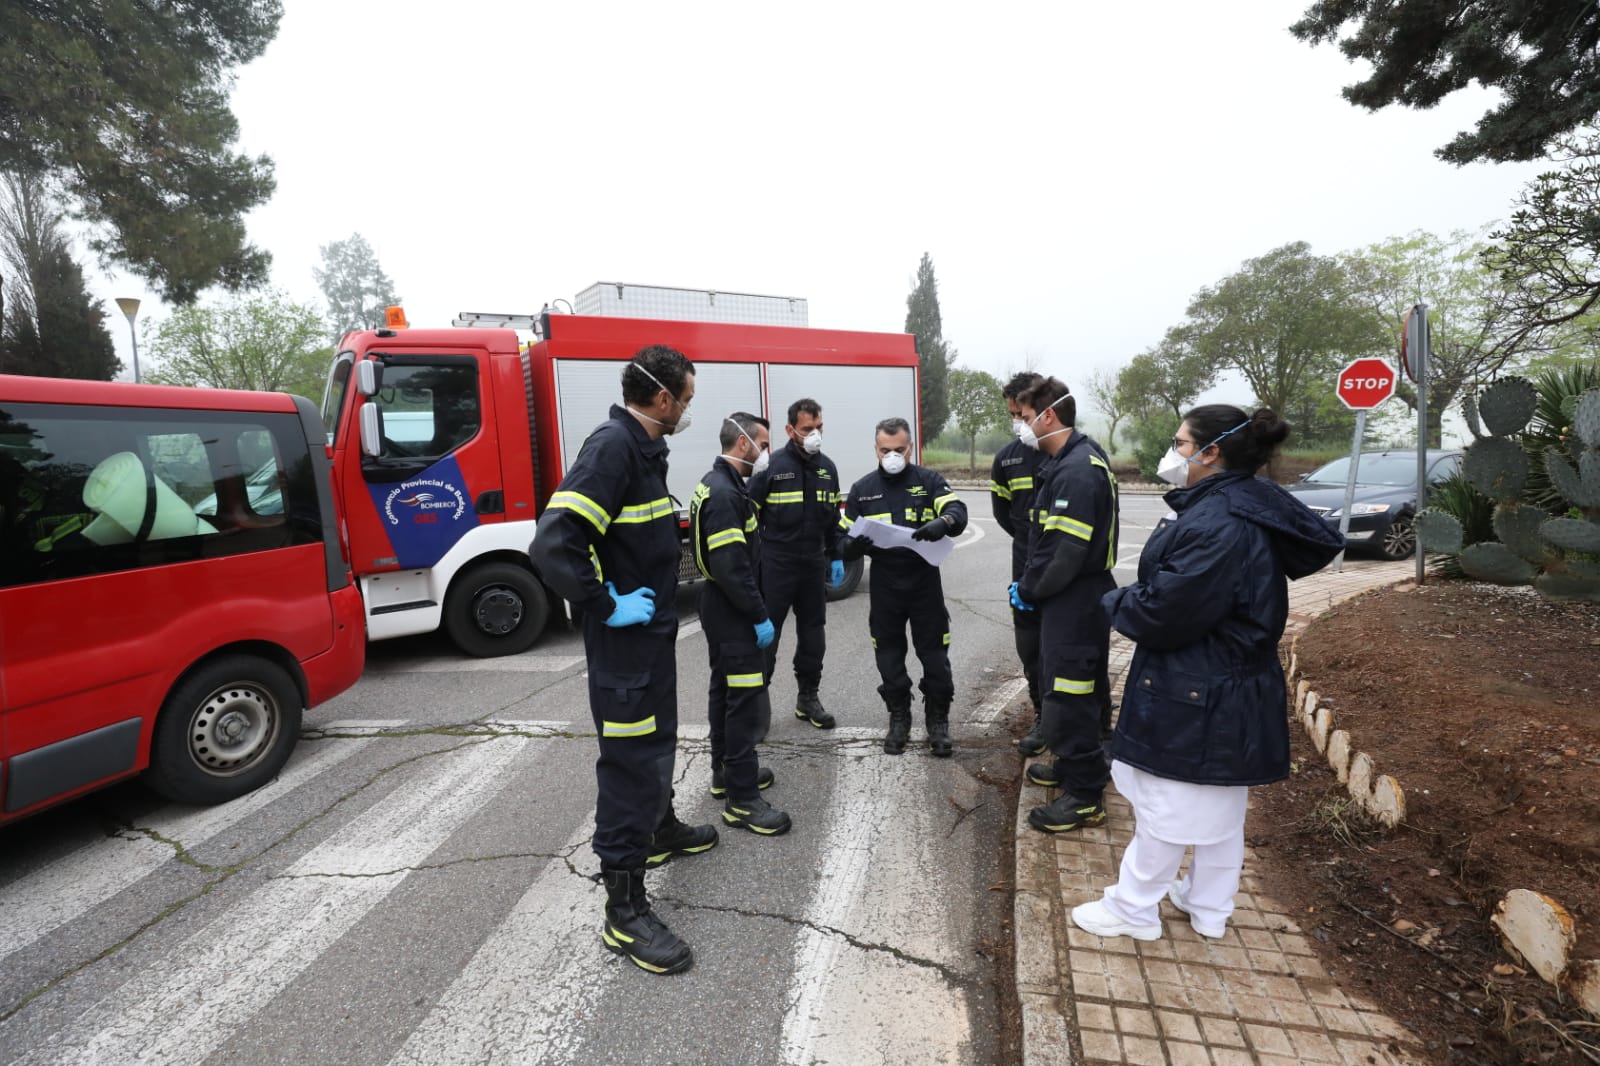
1075,655
902,594
633,696
797,581
737,708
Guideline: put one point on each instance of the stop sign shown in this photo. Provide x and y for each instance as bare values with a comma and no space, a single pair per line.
1365,384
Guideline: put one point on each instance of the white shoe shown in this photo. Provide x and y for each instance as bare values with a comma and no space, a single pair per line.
1094,918
1175,894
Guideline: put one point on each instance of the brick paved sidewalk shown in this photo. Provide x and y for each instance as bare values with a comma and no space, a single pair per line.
1257,996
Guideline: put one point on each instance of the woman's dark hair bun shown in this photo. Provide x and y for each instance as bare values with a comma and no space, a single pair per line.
1268,428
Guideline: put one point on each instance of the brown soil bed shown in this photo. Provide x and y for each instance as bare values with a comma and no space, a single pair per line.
1484,704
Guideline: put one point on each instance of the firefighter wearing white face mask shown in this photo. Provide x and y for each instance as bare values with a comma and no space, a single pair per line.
1011,486
1071,554
798,497
905,589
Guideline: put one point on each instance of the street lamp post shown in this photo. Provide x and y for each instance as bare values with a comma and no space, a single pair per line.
130,307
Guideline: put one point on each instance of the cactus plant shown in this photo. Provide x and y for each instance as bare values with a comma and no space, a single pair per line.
1492,561
1518,526
1438,531
1553,552
1496,467
1469,411
1507,406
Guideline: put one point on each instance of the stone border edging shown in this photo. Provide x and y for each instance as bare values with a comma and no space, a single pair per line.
1534,928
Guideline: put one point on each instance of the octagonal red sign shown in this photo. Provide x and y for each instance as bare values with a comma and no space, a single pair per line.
1365,383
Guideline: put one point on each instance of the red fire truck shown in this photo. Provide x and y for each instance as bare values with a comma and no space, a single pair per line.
447,443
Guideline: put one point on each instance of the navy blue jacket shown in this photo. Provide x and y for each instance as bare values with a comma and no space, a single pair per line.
1011,484
1205,699
612,519
798,497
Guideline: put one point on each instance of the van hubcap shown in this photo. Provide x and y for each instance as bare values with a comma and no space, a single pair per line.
232,729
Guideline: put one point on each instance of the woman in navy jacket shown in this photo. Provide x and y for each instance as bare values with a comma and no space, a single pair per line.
1204,712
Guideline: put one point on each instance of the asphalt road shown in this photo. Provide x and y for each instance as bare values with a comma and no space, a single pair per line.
414,888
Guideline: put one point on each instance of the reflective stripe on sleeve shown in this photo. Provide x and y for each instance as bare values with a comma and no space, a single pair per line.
750,524
1002,491
724,536
642,728
943,501
578,503
647,512
1018,484
1063,524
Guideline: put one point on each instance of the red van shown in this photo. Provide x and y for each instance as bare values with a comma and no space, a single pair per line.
151,618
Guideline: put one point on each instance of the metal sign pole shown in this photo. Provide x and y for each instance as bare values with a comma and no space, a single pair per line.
1420,344
1350,486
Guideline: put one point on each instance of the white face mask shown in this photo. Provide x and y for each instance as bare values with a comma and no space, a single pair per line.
760,462
812,442
1174,469
684,419
892,463
1026,434
1017,426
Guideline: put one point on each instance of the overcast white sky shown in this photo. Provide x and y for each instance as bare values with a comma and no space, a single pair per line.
1077,171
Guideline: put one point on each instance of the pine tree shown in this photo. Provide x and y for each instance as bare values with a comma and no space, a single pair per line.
51,326
923,321
124,107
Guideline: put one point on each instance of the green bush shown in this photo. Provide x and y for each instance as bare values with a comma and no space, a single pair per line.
1151,439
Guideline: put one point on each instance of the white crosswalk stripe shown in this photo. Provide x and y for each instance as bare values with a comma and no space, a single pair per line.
844,998
543,962
242,959
45,900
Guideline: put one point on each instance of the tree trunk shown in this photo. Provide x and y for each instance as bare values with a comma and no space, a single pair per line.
972,455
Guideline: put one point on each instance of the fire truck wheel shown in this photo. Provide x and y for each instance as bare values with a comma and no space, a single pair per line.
852,577
226,729
495,609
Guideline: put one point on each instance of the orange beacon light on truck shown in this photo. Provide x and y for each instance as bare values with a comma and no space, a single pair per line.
394,318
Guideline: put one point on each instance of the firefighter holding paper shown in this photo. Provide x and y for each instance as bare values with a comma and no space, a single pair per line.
906,589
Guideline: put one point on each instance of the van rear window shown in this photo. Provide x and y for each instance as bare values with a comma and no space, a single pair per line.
86,490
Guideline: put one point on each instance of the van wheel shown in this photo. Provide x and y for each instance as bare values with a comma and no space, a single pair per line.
852,577
495,609
225,730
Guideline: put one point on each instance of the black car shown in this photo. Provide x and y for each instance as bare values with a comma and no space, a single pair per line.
1385,500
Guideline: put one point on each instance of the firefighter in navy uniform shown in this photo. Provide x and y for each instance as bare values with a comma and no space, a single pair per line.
608,542
1011,482
1073,548
798,495
905,588
727,551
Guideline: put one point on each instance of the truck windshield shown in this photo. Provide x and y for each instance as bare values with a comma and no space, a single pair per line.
333,394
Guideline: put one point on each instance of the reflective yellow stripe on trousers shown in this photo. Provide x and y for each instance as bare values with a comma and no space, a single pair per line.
643,727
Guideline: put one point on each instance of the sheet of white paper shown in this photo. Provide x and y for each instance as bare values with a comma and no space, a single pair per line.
887,535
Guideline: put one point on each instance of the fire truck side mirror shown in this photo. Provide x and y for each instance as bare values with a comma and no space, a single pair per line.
369,377
371,433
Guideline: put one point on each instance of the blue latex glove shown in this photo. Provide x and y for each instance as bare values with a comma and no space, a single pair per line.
1016,598
764,634
633,608
835,575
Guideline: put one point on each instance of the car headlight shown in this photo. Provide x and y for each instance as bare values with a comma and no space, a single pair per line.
1360,508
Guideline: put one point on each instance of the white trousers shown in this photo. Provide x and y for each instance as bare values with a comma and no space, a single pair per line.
1150,864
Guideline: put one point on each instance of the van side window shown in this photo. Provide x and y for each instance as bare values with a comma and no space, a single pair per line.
428,411
87,490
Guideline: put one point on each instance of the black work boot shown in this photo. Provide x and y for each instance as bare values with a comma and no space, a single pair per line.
677,838
719,787
899,724
632,929
1033,743
1044,774
808,708
756,815
937,714
1067,813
